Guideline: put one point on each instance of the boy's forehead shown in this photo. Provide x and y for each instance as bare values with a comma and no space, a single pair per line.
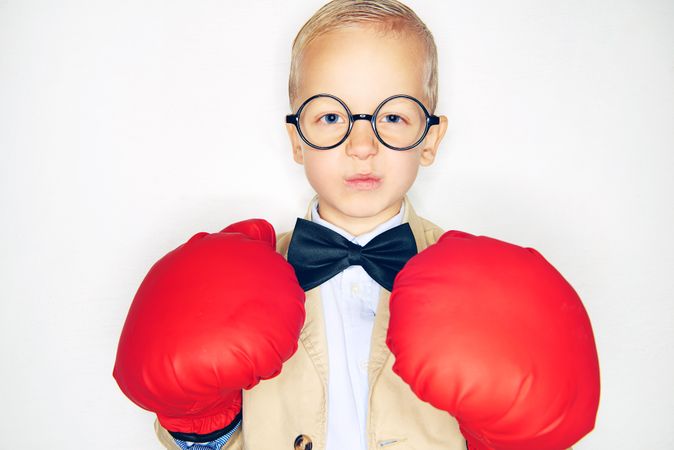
362,66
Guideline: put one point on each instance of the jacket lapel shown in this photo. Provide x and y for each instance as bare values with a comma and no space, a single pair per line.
379,351
312,336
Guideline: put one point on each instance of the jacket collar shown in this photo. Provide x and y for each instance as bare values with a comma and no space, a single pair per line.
313,332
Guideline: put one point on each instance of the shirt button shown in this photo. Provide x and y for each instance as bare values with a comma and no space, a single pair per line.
363,366
302,442
355,289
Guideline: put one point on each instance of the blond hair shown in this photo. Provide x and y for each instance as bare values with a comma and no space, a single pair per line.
385,15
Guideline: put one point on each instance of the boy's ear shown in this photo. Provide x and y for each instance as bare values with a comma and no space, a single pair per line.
295,144
432,142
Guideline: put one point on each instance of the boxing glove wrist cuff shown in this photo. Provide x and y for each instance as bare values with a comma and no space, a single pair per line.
205,421
200,438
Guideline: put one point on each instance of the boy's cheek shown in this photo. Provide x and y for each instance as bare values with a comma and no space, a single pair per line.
315,169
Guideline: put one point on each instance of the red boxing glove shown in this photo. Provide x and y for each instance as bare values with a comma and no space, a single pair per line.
491,333
217,314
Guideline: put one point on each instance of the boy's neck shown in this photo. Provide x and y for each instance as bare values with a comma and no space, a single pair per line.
357,225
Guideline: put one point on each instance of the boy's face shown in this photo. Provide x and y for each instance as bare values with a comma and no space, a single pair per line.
361,183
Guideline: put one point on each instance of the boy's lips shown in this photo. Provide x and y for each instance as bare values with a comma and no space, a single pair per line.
363,182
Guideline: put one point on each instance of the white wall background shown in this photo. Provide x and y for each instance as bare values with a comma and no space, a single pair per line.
125,127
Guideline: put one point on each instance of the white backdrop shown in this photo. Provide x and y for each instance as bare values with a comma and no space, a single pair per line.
125,127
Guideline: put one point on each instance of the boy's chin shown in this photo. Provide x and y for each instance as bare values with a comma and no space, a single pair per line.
366,207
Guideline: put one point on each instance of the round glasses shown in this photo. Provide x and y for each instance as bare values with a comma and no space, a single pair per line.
400,122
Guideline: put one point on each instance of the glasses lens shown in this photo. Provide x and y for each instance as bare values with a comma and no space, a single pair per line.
324,121
400,122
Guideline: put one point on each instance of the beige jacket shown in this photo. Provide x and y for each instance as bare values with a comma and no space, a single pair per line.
293,406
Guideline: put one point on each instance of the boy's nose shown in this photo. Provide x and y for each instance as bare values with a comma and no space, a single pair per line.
361,143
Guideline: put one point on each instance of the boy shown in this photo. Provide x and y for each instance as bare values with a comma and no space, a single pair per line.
361,185
350,60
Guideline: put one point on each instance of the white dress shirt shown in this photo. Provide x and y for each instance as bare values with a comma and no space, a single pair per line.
350,300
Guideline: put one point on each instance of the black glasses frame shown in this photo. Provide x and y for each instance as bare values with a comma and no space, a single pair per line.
295,120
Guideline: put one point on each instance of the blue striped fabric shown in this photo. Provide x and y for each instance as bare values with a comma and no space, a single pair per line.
212,445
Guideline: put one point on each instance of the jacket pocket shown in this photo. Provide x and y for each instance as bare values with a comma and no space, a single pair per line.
396,443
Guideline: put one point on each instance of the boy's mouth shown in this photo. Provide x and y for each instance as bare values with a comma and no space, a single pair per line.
363,182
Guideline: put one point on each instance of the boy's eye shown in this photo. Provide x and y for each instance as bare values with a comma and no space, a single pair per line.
330,118
392,118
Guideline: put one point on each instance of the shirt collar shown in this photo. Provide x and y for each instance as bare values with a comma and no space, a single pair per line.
364,238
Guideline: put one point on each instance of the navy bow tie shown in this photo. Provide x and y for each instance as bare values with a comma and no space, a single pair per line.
317,253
